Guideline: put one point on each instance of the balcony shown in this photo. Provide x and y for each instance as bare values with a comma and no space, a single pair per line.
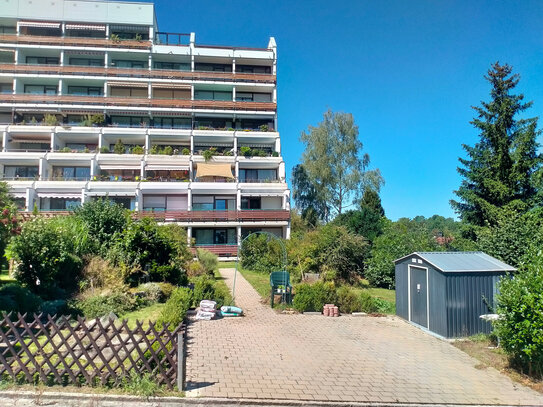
101,102
137,73
221,250
73,41
219,216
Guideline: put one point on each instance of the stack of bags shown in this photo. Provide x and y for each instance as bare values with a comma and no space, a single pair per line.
330,310
207,310
231,311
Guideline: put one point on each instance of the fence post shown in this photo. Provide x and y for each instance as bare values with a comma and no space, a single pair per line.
181,361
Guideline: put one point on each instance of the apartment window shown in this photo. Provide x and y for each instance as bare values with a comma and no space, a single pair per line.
214,236
253,97
171,94
6,87
40,89
213,67
128,92
257,175
86,62
212,95
71,173
253,69
251,203
212,203
120,175
81,146
43,60
63,204
172,66
167,175
20,203
172,123
130,121
252,124
24,172
34,146
124,35
121,63
85,90
212,123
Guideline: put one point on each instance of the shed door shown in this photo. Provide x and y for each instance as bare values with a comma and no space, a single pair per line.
419,296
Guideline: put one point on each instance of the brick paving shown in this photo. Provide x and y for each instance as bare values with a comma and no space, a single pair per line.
266,355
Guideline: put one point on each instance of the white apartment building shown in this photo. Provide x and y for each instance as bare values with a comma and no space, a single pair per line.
95,101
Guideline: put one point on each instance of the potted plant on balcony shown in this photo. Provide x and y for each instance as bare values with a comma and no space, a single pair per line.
208,154
168,150
104,149
50,120
185,151
138,37
119,147
154,150
115,38
137,150
246,151
264,127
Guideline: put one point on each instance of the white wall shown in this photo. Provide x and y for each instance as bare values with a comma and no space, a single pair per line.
271,202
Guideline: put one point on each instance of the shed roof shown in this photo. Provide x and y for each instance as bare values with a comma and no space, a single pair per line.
462,261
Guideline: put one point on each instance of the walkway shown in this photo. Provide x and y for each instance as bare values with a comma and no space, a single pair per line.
266,355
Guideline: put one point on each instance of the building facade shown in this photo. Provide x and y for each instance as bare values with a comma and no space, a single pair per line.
95,101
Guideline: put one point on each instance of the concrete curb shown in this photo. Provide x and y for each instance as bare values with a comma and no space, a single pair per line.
59,399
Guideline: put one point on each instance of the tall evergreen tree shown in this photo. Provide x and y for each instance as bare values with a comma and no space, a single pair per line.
503,168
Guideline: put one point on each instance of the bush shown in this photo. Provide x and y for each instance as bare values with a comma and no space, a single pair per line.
46,263
100,305
55,307
119,147
204,289
176,308
383,306
167,273
261,252
195,269
367,303
347,300
208,260
520,303
312,297
99,273
15,298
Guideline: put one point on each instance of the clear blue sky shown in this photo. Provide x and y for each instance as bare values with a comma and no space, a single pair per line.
408,71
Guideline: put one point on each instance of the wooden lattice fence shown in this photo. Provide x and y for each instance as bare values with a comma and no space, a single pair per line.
65,351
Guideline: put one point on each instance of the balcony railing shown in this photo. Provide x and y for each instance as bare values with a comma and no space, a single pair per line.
100,102
136,73
73,41
272,215
178,39
221,250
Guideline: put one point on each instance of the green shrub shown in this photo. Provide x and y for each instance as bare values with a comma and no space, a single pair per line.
143,385
138,150
100,305
55,307
222,295
520,303
105,149
367,302
312,297
260,252
166,290
185,151
176,308
347,300
195,269
119,147
383,306
204,289
246,151
168,150
167,273
208,260
15,298
150,292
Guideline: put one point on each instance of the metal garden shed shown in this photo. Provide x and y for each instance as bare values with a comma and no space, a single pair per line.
446,292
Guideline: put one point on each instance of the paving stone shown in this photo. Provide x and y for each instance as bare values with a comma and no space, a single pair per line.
267,355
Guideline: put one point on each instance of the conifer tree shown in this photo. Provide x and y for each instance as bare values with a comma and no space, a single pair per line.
504,167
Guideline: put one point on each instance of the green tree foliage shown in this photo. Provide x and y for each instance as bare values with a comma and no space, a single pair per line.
9,225
520,303
46,259
309,202
504,167
514,237
334,164
176,308
208,260
14,298
261,252
330,250
145,248
398,239
371,201
103,220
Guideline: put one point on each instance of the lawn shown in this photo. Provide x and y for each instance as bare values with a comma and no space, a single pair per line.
227,264
150,313
5,277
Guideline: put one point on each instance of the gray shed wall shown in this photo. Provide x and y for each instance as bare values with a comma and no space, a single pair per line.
465,303
401,290
437,303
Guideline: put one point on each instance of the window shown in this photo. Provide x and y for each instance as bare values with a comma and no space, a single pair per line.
81,146
71,173
24,172
252,124
130,121
213,67
253,97
172,66
43,60
86,62
171,94
34,146
62,204
120,175
212,95
40,89
167,175
257,175
85,90
253,69
129,92
210,203
172,123
6,87
120,63
214,236
251,203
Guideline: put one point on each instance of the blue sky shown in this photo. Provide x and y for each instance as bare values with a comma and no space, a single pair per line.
409,72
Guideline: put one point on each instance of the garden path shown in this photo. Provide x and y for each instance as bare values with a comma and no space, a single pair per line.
267,355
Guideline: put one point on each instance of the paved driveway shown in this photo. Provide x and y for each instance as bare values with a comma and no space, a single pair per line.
266,355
